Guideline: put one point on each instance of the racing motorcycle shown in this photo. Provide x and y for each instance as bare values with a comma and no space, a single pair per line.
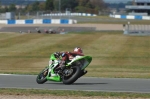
68,75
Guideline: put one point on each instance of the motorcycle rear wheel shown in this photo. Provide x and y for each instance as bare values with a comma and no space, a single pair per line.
73,76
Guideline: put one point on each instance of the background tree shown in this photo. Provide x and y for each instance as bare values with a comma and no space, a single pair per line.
28,8
6,9
82,2
35,6
68,4
56,5
49,5
81,6
42,6
85,6
12,8
0,7
98,4
89,6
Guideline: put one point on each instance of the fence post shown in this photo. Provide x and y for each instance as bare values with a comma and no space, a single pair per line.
128,27
125,30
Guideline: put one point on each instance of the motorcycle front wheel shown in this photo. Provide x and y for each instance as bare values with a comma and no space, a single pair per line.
41,78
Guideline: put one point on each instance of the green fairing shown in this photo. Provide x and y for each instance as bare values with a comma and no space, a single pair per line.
58,78
55,78
52,57
88,58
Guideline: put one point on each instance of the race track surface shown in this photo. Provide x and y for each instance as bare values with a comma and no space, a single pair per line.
60,27
83,83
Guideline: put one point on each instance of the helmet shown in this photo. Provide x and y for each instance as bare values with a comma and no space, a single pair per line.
78,49
57,54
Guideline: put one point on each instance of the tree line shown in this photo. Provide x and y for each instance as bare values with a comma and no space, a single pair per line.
82,6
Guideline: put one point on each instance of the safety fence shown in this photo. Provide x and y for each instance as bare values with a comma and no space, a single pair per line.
136,29
39,21
68,14
40,15
137,17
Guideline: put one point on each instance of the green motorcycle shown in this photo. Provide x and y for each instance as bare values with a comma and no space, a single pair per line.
73,70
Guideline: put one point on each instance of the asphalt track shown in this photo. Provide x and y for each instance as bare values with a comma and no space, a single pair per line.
60,27
83,83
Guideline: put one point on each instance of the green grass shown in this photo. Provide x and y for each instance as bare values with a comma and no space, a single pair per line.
109,20
114,55
109,95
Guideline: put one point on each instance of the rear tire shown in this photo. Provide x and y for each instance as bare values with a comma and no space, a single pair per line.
41,78
75,75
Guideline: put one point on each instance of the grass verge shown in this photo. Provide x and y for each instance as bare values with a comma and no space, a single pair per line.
114,54
109,20
73,93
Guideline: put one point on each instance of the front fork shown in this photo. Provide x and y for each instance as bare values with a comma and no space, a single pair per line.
56,78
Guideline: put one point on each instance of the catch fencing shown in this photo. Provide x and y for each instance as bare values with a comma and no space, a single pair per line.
41,15
136,29
136,17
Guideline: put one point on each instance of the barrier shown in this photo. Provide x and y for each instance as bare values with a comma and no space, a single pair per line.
130,17
136,29
55,21
20,21
46,21
28,21
64,21
11,21
69,14
123,17
136,17
39,21
3,22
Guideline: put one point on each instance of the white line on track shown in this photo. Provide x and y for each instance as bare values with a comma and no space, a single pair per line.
7,74
13,75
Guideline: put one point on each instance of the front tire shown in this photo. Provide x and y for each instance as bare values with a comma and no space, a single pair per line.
41,78
74,76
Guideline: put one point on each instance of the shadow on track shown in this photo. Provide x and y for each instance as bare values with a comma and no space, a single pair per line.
78,83
88,83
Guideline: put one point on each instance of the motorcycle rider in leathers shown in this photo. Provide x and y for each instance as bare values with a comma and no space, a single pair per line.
66,56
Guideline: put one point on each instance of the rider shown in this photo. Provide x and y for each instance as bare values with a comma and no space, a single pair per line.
66,56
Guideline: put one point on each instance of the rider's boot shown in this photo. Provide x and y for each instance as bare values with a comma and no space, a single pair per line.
54,77
53,74
83,72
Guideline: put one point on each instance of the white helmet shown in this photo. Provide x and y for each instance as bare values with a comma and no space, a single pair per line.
78,49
